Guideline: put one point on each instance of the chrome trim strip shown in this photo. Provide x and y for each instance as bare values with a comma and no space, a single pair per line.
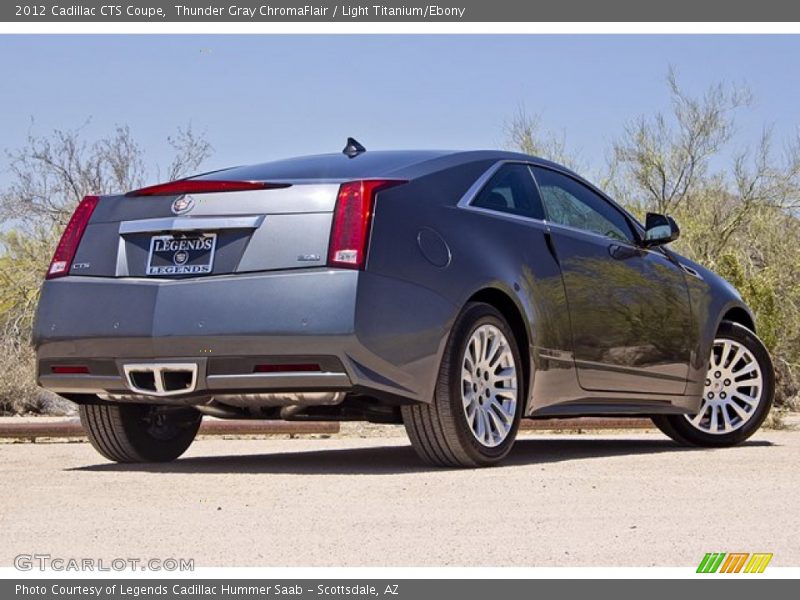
190,224
504,215
105,384
267,381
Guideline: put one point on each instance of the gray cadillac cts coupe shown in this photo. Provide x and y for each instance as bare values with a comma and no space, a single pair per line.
455,292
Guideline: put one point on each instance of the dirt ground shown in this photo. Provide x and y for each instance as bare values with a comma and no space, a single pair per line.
361,498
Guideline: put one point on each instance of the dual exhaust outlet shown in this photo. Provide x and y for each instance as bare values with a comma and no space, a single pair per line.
162,379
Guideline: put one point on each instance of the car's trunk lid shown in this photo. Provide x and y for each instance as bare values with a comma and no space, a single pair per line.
187,235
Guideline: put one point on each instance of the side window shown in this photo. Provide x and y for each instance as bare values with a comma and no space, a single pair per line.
568,202
511,190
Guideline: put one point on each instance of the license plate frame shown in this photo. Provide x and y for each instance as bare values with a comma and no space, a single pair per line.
189,253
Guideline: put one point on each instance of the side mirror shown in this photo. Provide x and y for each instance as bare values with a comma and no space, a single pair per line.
660,230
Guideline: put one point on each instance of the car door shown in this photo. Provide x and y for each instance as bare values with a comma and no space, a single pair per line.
520,238
629,306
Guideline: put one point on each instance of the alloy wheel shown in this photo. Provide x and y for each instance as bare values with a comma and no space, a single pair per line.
489,385
733,389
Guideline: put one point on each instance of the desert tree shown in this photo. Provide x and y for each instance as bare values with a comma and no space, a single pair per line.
525,133
48,176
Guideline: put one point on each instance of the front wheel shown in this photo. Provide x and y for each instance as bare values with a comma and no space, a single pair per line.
737,396
134,433
475,413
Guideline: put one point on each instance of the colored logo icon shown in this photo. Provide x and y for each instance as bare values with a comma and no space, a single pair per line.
734,562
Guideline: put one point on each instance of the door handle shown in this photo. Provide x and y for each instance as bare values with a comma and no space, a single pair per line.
548,240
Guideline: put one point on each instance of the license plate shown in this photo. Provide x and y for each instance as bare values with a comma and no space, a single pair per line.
186,254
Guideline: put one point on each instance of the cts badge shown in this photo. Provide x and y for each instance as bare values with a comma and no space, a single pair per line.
182,205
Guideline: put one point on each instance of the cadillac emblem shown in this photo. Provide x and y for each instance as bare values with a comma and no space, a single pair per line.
182,205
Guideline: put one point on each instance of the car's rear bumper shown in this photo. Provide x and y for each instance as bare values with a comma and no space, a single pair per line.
229,325
108,378
226,326
77,310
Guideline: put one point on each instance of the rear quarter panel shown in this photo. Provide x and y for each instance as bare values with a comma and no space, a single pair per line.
407,302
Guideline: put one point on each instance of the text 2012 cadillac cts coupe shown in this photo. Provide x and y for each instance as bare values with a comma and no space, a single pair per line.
455,292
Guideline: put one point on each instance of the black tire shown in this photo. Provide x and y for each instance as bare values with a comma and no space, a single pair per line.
138,433
683,432
439,431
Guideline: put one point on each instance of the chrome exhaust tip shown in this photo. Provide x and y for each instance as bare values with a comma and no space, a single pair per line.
161,379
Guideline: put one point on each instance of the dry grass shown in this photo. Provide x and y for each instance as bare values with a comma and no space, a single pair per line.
19,394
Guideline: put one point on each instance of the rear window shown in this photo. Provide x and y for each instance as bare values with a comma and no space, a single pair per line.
325,166
511,190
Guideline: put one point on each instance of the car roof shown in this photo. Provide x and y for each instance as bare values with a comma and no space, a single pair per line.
401,164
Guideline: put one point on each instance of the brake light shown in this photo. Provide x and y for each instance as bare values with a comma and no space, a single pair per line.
203,186
70,369
68,244
352,220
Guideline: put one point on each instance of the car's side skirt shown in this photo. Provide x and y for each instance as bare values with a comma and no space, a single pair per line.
610,406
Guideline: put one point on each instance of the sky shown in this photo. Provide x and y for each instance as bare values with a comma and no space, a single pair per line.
262,97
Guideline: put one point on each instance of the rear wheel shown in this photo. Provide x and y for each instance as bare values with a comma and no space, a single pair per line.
130,433
475,413
737,396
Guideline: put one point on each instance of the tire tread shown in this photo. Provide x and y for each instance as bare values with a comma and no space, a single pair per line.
679,430
432,428
115,432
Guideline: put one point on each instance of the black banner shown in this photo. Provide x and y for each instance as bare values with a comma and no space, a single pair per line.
385,589
402,11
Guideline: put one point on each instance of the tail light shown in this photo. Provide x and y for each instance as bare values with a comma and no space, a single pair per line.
352,220
68,244
204,186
